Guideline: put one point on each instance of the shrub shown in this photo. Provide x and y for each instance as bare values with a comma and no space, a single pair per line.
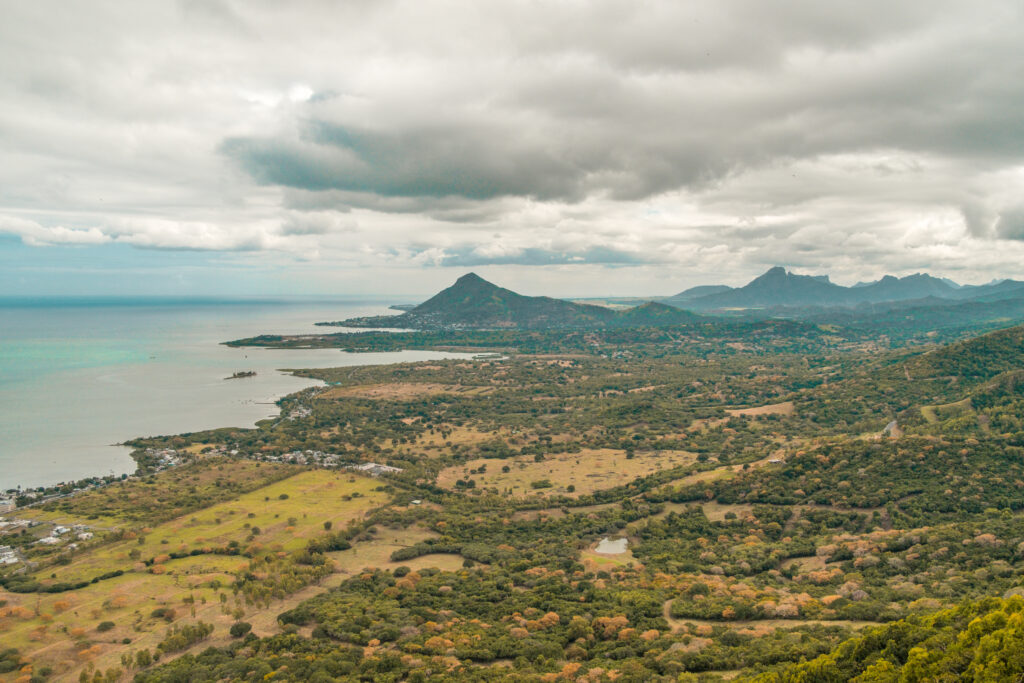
240,628
105,626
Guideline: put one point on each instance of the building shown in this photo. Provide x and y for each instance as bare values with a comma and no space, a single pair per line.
375,469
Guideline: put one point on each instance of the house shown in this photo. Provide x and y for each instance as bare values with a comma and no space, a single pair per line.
8,555
375,469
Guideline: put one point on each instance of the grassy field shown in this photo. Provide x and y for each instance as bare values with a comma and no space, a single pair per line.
166,495
786,408
932,414
377,553
286,515
403,391
587,471
51,628
595,561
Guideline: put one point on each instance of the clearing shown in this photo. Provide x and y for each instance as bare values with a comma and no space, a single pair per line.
587,471
403,391
785,408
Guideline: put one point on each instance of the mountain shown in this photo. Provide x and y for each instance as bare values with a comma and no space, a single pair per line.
1001,289
777,287
780,288
694,293
474,303
916,286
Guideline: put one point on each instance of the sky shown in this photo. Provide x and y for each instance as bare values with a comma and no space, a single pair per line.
216,147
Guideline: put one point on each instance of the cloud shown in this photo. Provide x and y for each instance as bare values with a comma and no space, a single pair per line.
683,140
471,256
37,235
1010,224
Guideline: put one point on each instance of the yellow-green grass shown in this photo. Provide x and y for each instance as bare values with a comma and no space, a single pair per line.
458,436
67,518
311,498
377,553
785,408
46,628
172,492
587,471
595,561
402,391
716,512
933,413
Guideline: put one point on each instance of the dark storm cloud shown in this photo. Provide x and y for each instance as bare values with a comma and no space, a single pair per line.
633,102
426,162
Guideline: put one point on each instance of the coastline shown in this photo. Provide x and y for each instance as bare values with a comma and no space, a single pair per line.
77,379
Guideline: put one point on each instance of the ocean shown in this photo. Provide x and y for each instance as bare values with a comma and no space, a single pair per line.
77,376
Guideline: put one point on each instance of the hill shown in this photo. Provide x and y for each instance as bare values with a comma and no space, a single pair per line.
474,303
976,641
654,314
973,360
692,293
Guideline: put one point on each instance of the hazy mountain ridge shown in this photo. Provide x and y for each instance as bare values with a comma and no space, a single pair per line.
779,287
474,303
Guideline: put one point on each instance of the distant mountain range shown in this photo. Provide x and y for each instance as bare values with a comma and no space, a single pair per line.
781,288
913,302
475,303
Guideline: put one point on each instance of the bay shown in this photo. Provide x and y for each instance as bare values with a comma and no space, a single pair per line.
77,376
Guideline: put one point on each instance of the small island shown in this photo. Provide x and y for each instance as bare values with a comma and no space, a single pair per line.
244,373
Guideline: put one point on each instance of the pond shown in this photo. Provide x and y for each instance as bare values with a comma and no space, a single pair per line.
611,546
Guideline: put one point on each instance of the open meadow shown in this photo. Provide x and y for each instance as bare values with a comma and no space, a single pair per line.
571,474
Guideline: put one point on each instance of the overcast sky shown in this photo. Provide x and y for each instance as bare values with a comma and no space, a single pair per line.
568,148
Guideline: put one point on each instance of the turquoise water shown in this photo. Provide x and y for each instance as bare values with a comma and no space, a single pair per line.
79,376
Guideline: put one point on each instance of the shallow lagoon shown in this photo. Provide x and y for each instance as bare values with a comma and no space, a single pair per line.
75,379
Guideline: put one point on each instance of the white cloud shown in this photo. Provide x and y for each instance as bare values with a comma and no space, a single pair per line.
705,140
37,235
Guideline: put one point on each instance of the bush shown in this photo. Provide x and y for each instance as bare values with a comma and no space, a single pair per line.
239,629
105,626
163,613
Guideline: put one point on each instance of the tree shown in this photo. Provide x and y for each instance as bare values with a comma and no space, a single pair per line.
240,628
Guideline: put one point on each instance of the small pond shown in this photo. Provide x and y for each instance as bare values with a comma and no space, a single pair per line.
611,546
